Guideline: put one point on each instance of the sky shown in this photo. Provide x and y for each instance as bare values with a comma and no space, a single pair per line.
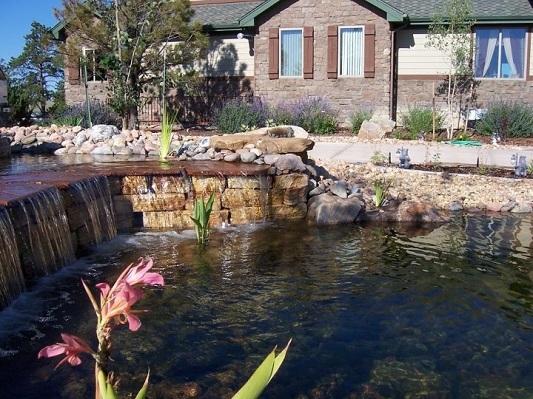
16,17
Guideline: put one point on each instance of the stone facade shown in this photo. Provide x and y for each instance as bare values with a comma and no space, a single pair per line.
419,92
345,94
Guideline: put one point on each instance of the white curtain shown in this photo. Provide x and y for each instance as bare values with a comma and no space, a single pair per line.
491,47
351,51
291,52
513,42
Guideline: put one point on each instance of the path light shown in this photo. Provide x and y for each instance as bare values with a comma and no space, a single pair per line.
403,156
520,165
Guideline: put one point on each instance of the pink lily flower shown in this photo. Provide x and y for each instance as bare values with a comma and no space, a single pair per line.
139,275
134,275
117,308
72,346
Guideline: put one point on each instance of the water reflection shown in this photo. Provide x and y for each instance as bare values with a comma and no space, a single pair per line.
372,311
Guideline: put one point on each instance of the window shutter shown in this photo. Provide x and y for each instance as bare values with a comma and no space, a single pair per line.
308,52
332,52
370,51
273,53
74,73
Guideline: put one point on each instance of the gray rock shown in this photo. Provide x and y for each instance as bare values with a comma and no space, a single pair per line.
290,163
233,157
80,138
103,132
327,209
522,208
248,157
270,159
103,150
340,189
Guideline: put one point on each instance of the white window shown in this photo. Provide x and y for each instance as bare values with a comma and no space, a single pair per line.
91,59
351,51
500,53
291,52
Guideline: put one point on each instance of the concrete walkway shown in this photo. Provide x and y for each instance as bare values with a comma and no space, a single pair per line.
421,152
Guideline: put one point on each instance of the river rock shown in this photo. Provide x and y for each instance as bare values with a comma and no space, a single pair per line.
327,209
101,133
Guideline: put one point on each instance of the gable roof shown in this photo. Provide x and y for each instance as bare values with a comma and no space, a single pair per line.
393,13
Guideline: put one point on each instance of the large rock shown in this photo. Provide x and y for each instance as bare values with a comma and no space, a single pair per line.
103,132
416,213
327,209
266,144
5,147
371,130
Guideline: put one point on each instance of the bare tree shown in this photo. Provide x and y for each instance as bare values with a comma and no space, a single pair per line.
451,34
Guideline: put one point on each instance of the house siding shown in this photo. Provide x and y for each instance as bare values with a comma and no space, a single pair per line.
345,94
228,56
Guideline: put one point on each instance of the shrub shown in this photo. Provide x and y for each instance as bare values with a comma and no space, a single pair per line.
508,119
101,114
358,117
418,119
237,115
314,114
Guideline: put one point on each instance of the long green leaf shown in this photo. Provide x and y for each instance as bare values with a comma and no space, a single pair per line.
142,393
257,383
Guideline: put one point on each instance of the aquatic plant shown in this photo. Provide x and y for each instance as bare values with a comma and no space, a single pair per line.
167,124
381,188
114,309
201,215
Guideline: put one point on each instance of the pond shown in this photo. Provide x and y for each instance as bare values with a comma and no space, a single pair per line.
373,311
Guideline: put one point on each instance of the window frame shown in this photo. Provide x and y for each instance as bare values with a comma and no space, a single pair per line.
301,74
93,70
500,50
361,51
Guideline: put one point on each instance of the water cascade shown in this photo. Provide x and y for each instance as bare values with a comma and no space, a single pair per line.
94,219
43,234
11,277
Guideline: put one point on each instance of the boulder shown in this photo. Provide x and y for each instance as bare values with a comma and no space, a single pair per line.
371,130
327,209
268,144
103,132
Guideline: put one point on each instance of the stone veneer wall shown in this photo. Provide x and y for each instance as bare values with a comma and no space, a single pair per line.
418,92
238,199
345,94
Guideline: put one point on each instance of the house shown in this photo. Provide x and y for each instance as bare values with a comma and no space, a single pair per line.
357,53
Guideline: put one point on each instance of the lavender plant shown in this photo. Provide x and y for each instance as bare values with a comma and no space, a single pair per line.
237,114
101,114
314,114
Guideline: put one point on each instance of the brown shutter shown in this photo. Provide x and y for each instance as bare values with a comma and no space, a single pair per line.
74,73
273,53
332,52
308,52
370,51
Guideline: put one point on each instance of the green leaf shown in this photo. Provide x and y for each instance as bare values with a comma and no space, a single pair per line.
144,389
262,375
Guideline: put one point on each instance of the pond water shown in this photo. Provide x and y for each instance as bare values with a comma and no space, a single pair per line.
373,312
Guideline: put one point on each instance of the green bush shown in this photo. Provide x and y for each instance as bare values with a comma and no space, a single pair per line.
358,117
508,119
418,119
238,115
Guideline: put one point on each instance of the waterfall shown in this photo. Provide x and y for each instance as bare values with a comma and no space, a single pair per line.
94,208
41,224
11,276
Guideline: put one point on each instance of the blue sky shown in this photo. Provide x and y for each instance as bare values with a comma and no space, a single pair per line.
16,17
